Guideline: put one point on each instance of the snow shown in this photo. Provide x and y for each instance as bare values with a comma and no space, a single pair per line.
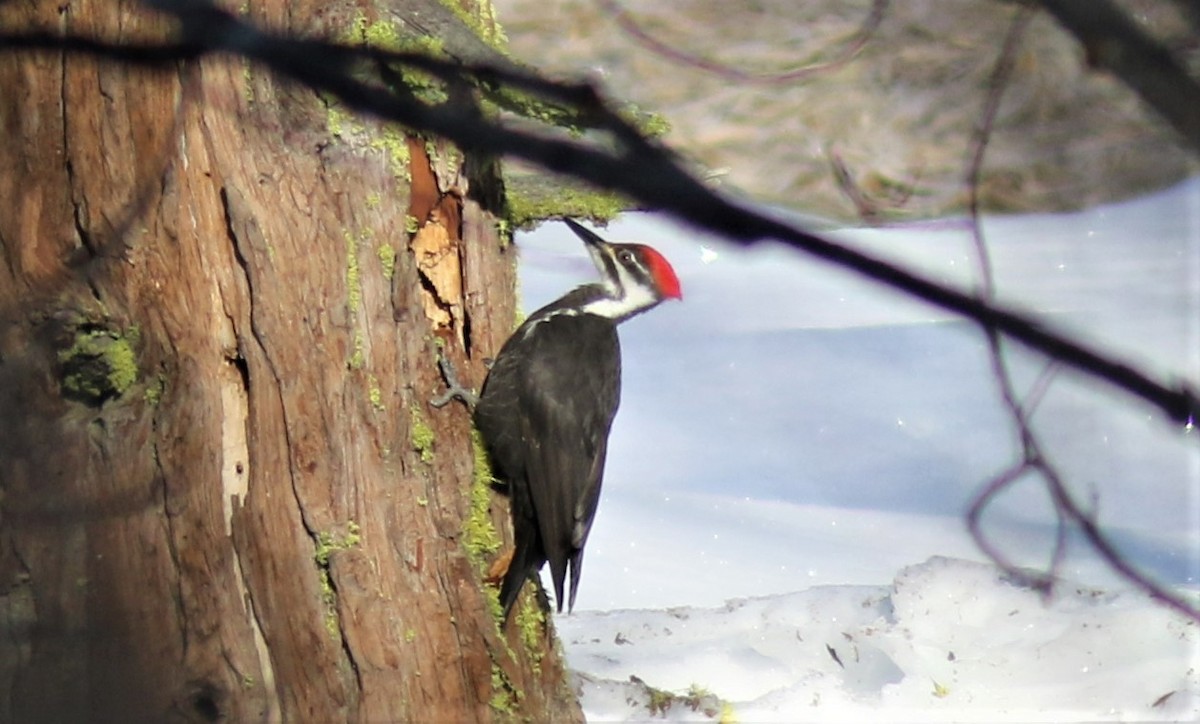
948,640
795,451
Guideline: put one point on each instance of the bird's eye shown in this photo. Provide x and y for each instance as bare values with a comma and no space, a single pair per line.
625,256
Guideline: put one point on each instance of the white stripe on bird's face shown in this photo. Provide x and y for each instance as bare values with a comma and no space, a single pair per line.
602,257
628,284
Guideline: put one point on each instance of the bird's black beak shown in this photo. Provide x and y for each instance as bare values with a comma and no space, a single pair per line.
600,250
589,237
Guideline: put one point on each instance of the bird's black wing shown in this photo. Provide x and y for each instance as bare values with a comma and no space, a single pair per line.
498,417
570,390
497,411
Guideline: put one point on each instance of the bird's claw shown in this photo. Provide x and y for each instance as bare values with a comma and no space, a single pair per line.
454,388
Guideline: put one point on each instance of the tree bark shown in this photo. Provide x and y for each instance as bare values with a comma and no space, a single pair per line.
223,494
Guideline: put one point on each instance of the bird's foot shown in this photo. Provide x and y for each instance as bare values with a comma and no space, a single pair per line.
454,388
499,568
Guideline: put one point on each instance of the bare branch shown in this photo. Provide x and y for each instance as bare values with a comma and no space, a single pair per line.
1086,522
1115,43
1034,460
997,84
639,168
979,505
870,209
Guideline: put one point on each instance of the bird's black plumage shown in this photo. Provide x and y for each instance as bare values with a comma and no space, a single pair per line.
548,404
554,459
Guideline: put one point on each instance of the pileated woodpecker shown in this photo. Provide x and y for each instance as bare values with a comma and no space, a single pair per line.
548,404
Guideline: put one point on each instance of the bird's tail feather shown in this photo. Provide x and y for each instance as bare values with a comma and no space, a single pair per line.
576,569
525,563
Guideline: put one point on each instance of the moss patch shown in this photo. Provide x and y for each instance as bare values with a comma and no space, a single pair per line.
659,701
357,355
700,699
338,120
389,139
353,273
374,393
155,390
421,434
484,23
247,82
387,260
354,301
99,365
697,699
533,199
389,36
505,696
652,125
479,535
531,623
327,544
481,541
392,141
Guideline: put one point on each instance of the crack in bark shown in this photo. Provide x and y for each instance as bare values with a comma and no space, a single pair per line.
85,238
7,250
235,412
266,666
428,286
467,330
172,546
168,522
243,263
309,529
247,270
346,650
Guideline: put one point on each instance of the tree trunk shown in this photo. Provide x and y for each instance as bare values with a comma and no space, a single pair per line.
224,492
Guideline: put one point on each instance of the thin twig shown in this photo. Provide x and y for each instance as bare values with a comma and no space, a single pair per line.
1034,460
850,49
639,168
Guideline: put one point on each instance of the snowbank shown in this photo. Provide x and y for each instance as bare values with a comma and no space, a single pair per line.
949,640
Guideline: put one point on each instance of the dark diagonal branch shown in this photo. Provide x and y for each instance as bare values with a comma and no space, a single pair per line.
1190,9
1115,43
638,167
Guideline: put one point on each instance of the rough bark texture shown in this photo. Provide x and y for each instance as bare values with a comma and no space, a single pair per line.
223,494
